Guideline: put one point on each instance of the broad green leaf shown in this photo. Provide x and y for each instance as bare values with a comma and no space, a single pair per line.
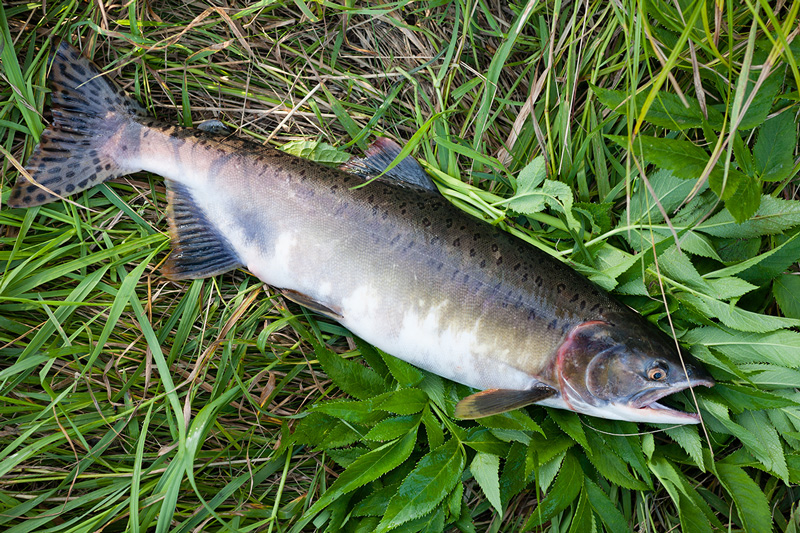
786,289
745,202
730,287
392,428
676,265
485,469
694,512
374,504
481,440
514,479
516,420
609,464
583,519
688,438
780,347
761,105
566,488
356,412
352,377
406,375
316,151
774,149
421,491
683,158
666,111
606,509
771,376
770,449
569,424
404,402
366,468
753,507
735,317
774,216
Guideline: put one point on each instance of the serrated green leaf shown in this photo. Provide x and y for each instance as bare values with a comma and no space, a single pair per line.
356,412
366,468
374,504
780,347
515,473
606,509
694,512
485,469
735,317
406,375
746,201
609,464
427,485
786,289
753,507
321,430
566,488
667,110
774,149
730,287
774,215
352,377
482,440
684,159
770,449
583,518
404,402
316,151
569,424
392,428
762,102
677,266
515,420
688,438
670,190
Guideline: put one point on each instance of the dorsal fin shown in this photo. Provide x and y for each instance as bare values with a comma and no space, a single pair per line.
213,125
380,155
198,248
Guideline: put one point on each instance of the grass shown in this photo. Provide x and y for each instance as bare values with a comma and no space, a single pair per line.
129,402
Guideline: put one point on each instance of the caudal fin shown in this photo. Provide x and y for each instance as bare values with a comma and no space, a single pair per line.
87,143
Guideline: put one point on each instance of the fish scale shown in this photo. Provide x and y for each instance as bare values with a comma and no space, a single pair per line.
379,250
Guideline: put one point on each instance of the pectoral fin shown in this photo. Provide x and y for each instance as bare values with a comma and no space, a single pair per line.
496,401
307,301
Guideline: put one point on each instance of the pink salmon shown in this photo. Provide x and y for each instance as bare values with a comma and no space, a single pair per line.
392,260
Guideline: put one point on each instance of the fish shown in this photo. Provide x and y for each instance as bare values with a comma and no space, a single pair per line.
373,245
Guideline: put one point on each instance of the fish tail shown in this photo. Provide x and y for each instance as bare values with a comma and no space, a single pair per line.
93,136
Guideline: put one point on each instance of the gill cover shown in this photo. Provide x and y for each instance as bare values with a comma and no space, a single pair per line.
620,368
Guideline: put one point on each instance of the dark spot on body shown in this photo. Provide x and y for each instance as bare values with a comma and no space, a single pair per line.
31,188
457,241
41,197
26,200
426,223
560,287
553,324
539,281
83,183
494,247
532,315
483,264
575,298
499,260
70,187
472,252
583,304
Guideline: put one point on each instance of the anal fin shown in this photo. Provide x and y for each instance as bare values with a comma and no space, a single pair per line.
496,401
199,250
307,301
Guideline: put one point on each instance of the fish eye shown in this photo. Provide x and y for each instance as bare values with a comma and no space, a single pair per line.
657,373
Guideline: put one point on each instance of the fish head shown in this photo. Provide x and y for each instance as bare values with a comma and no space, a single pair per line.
620,369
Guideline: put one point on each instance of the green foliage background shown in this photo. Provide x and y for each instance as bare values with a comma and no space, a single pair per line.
652,145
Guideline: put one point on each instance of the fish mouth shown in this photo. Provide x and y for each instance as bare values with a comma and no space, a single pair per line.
647,404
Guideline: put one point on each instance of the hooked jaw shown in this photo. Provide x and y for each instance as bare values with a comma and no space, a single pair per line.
646,407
